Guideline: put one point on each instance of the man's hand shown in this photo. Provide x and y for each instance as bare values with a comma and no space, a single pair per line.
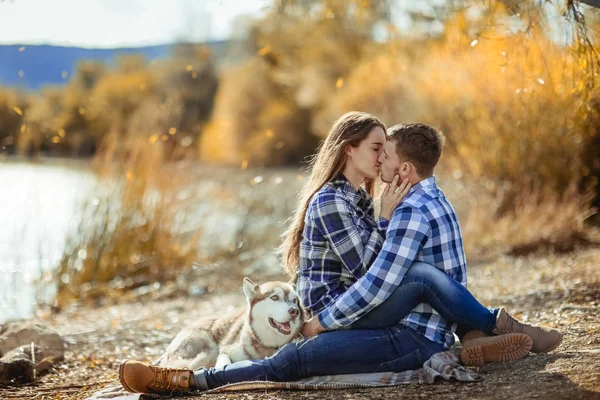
312,327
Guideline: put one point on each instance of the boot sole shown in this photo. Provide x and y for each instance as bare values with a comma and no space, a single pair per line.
121,378
503,348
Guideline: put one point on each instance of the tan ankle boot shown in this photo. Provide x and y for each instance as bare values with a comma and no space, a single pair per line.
137,377
544,339
473,335
479,348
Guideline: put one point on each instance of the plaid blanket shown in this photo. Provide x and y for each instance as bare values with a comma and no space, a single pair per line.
441,366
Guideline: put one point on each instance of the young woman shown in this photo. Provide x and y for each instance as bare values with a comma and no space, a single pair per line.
333,239
334,236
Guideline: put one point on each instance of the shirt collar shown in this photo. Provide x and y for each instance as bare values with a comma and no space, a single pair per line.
425,184
355,196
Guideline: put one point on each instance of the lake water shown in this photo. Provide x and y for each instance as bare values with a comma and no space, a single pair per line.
41,204
38,204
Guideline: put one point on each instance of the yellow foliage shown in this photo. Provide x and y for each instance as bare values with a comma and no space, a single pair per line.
216,146
13,108
257,119
511,108
521,118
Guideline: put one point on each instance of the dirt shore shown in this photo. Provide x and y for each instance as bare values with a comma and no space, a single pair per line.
560,290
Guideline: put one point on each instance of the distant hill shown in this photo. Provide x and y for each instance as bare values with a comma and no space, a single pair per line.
36,66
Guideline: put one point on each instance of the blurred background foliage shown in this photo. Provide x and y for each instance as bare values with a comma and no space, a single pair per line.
513,85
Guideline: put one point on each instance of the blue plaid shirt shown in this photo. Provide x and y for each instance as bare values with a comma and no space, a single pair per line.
340,241
424,227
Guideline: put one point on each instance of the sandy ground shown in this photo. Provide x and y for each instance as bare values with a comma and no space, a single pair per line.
560,290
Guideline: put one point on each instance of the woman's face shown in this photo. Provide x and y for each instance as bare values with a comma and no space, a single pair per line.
365,157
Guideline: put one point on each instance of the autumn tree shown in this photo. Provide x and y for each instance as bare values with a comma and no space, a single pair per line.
73,122
116,97
189,81
12,108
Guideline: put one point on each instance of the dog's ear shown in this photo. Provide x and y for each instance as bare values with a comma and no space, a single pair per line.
251,289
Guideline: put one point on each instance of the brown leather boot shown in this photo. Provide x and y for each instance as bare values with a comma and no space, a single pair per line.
473,335
137,377
544,339
479,348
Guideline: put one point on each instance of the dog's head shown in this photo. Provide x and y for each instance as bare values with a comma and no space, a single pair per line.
276,315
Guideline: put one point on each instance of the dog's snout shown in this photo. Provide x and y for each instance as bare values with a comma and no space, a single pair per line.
294,312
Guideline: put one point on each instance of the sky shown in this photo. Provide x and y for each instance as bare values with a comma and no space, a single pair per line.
132,23
120,23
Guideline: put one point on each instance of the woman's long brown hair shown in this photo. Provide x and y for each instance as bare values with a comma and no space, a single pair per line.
349,130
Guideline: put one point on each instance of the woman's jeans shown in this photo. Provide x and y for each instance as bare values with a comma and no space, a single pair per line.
376,343
340,352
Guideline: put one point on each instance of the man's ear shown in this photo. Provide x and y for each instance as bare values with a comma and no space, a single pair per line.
251,289
404,170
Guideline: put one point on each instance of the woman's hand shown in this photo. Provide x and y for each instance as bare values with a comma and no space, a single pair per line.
393,195
312,327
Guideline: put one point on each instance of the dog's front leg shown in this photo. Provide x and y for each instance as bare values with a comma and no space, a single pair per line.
222,360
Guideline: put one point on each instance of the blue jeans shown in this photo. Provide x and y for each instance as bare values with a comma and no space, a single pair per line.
339,352
424,283
376,343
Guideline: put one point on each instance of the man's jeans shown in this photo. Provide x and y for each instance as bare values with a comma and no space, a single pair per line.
374,344
424,283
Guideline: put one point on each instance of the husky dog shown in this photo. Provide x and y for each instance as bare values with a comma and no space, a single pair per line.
272,318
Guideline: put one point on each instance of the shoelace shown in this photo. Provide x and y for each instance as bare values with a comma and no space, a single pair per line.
512,325
164,377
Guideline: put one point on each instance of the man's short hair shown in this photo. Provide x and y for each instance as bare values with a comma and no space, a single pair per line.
419,143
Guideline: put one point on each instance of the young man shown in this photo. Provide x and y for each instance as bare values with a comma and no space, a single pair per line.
424,228
422,261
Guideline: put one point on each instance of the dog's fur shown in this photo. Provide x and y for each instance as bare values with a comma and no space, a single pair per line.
254,332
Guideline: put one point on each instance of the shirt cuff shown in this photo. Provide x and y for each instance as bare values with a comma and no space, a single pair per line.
382,224
327,321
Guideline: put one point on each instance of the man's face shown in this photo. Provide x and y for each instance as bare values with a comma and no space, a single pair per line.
390,162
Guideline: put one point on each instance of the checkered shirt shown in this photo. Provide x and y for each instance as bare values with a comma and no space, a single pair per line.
424,227
340,241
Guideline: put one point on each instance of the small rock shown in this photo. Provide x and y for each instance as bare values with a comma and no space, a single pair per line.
20,370
16,334
17,366
44,366
16,363
24,352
